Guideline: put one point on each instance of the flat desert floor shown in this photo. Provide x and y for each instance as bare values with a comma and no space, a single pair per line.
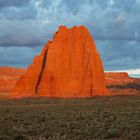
99,118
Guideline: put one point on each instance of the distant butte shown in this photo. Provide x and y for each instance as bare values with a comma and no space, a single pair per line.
68,66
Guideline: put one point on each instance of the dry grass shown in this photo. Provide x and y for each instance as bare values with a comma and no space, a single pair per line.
116,118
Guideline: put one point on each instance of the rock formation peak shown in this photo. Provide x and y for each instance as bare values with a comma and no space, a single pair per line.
68,66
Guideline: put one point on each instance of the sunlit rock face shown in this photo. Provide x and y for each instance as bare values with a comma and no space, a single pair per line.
68,66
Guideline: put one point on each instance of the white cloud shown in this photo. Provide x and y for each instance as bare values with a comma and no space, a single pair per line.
111,2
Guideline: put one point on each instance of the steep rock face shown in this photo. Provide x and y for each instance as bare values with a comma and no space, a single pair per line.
68,66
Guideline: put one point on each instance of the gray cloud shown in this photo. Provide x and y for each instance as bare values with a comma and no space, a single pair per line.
14,3
114,24
119,54
107,20
13,13
17,56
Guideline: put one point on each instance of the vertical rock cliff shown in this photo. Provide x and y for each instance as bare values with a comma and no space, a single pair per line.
68,66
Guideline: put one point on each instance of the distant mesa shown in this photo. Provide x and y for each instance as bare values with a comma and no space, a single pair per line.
118,78
8,79
117,83
68,66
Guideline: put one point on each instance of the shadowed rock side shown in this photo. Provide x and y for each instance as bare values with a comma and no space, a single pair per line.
42,70
68,66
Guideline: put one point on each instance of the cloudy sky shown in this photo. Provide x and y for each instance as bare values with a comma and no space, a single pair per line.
25,25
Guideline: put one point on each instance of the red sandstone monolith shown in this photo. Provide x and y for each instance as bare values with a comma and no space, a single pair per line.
68,66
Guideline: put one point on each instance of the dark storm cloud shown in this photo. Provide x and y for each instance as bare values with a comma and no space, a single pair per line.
107,20
18,13
19,39
119,55
114,24
15,3
17,56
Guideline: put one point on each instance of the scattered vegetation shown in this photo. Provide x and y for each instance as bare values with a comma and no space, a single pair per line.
111,118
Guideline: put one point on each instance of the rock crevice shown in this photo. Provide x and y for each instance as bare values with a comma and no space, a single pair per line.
43,66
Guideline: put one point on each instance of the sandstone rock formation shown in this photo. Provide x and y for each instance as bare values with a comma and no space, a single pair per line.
68,66
116,82
8,79
119,83
118,78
